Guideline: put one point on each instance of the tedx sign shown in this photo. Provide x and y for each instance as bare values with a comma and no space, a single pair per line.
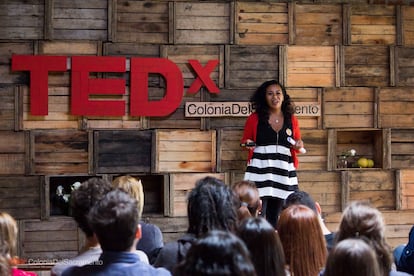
83,88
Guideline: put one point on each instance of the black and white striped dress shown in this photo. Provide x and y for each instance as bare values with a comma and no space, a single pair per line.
272,167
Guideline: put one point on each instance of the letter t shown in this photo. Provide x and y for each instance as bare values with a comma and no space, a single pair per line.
39,67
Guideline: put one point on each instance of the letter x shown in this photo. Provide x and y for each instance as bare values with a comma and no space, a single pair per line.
203,76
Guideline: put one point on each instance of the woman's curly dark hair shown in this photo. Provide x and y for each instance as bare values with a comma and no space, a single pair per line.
211,205
258,100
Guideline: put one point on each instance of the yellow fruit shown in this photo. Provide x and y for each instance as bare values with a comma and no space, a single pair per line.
362,162
370,163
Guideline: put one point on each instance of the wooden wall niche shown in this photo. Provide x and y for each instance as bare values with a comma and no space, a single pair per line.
156,194
54,204
368,143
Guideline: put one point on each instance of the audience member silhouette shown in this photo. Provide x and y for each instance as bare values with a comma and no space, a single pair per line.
352,257
152,239
82,200
404,255
360,219
301,197
250,203
115,221
302,239
210,206
218,253
8,242
264,246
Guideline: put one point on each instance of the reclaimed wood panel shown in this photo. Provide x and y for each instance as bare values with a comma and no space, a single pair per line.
20,196
115,122
406,182
141,22
308,102
8,118
230,156
184,151
129,50
122,151
13,151
372,24
315,142
181,184
181,54
202,23
7,49
250,66
59,114
395,106
402,148
376,186
404,66
313,66
324,187
365,66
228,95
261,23
51,239
22,19
177,119
59,152
407,14
317,24
79,20
67,48
349,107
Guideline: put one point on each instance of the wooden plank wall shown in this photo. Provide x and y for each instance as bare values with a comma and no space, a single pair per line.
353,59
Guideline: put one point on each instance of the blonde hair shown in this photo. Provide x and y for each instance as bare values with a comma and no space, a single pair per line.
8,235
133,187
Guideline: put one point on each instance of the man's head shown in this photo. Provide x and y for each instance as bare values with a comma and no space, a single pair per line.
301,197
84,198
114,219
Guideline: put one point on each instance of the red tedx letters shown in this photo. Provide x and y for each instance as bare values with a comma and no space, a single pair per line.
82,86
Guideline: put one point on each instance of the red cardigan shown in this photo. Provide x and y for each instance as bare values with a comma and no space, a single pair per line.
250,132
